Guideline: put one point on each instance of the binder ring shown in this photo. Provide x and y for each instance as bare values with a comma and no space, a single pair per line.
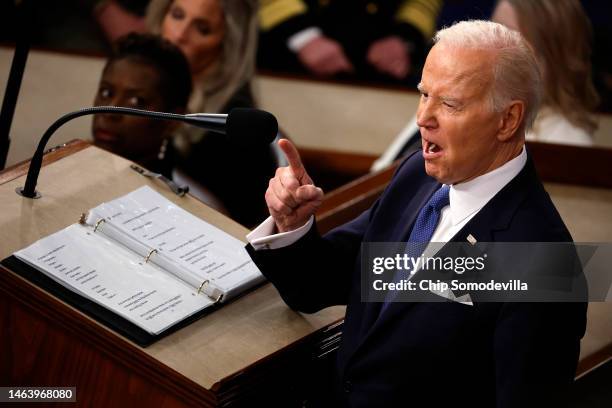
219,298
151,252
98,223
202,286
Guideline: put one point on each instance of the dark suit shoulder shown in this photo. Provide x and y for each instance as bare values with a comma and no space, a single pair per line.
536,218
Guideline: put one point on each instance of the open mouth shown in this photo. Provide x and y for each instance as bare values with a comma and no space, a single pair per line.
431,150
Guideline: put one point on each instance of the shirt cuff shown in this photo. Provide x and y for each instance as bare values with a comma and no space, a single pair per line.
263,237
298,40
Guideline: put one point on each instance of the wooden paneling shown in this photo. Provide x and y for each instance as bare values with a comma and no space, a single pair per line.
51,155
331,170
42,338
345,203
585,166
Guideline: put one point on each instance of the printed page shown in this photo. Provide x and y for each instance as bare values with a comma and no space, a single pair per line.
196,246
107,273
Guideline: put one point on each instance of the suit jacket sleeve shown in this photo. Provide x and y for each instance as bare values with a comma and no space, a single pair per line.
315,272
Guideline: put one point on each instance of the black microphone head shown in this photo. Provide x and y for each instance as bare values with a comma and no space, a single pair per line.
251,127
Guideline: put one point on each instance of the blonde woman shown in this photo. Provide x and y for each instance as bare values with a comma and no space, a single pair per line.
560,33
218,38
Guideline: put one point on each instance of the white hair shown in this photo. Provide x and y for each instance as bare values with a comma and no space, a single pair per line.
516,73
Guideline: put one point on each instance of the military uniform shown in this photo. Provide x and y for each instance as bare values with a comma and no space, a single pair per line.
355,24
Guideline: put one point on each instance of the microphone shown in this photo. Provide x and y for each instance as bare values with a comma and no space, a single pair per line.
246,127
243,126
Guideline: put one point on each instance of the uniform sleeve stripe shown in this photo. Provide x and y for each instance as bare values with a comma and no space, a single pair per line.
420,14
274,12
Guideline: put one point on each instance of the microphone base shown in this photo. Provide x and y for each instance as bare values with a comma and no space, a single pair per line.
19,190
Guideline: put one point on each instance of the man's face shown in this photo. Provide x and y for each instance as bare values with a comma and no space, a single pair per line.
458,127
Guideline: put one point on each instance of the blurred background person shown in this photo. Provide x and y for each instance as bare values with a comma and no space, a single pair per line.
600,16
560,33
117,18
147,72
219,40
144,72
371,40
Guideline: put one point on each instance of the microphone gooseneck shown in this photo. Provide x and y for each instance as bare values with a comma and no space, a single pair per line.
262,124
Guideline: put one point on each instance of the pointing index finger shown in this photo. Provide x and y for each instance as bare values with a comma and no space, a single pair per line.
293,157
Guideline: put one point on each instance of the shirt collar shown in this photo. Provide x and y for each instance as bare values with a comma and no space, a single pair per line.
469,197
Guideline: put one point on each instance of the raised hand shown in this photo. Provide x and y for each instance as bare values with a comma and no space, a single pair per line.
291,196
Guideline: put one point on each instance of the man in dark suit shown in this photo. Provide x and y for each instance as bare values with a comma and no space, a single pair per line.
473,180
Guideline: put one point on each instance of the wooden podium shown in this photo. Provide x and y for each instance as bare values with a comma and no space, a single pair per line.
252,350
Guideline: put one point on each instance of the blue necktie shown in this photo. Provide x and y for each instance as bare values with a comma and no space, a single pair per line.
421,233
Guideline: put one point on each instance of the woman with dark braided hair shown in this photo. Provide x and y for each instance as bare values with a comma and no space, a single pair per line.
144,72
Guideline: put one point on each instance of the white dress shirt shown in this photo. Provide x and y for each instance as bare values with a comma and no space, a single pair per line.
466,199
298,40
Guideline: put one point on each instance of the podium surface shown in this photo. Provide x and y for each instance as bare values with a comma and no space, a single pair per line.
222,359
